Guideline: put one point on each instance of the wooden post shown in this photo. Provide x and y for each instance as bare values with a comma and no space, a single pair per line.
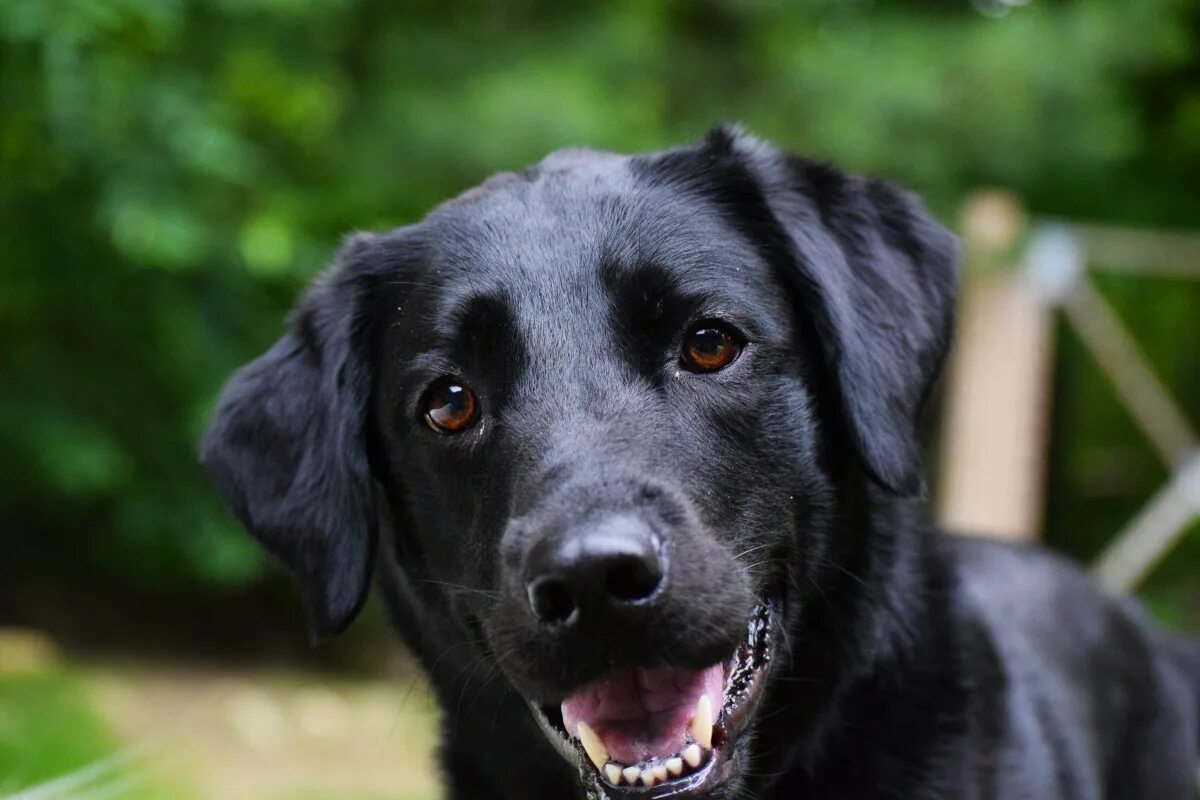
992,452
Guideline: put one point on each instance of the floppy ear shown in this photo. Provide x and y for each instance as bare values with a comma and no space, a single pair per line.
878,278
286,448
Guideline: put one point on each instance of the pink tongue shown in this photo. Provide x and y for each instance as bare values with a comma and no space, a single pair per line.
643,713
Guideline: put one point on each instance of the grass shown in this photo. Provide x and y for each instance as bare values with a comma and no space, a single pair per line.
53,744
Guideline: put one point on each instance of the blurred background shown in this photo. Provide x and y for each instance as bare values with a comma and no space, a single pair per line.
172,172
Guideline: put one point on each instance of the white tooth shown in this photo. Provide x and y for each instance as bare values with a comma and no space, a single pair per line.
631,775
702,723
675,766
660,773
692,755
613,773
648,776
593,745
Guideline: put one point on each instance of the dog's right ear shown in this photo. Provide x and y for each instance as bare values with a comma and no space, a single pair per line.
286,446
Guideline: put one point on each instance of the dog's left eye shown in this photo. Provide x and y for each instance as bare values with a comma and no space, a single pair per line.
450,407
709,347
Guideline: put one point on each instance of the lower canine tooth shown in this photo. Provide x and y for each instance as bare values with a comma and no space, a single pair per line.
593,745
648,776
692,755
702,723
631,775
613,773
660,773
675,766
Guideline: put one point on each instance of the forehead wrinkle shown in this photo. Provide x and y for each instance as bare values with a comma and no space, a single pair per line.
456,315
698,246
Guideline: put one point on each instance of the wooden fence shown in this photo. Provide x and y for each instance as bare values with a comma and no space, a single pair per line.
1017,276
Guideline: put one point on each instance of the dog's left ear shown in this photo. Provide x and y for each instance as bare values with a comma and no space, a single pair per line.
878,278
286,447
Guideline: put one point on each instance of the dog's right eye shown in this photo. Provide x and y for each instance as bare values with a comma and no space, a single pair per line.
450,407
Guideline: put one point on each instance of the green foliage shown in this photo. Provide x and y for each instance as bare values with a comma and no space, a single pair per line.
51,736
48,728
172,171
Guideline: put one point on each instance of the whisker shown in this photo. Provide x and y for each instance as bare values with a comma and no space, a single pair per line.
459,587
749,550
466,684
500,705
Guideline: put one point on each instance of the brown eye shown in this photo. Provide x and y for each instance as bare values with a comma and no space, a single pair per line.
708,348
450,407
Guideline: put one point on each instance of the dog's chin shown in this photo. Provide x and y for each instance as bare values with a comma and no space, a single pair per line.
663,732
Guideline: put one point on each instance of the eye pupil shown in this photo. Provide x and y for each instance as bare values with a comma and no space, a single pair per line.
708,348
710,341
450,407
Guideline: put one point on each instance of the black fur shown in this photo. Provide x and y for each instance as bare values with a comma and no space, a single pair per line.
910,665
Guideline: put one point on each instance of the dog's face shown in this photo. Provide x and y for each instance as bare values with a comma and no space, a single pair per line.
605,406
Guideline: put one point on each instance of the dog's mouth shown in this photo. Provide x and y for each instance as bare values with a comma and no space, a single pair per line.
663,732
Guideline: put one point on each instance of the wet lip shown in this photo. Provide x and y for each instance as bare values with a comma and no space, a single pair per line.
660,732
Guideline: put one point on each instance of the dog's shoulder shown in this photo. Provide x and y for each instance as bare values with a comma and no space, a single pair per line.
1080,677
1019,583
1044,610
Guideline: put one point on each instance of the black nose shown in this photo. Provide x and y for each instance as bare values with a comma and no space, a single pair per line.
587,572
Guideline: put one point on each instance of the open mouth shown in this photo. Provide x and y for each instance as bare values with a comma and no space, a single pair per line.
662,732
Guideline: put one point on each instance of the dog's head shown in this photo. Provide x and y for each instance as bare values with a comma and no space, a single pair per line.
605,405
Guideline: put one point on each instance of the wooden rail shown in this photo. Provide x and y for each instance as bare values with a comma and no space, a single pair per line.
998,385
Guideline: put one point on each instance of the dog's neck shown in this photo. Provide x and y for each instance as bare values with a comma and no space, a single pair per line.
870,656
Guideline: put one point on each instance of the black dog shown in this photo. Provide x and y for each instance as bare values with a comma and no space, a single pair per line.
635,439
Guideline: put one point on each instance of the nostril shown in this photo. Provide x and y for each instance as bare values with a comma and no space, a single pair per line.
633,579
551,601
